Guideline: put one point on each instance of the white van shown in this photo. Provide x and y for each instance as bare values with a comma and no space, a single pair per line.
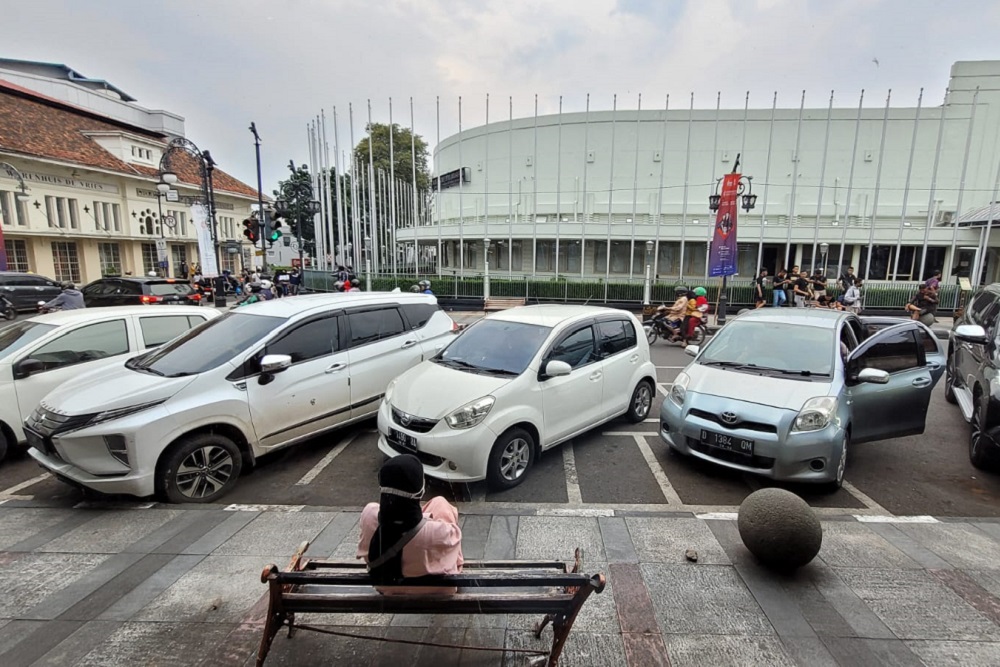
183,420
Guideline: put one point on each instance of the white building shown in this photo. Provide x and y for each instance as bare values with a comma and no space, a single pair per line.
848,176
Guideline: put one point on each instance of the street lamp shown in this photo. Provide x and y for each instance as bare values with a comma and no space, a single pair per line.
648,288
823,249
748,200
368,264
486,275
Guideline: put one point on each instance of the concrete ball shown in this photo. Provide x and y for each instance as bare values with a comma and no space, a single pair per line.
780,529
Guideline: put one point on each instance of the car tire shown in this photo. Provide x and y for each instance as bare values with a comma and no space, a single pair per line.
511,458
949,383
651,334
3,445
700,332
838,481
200,469
641,403
982,453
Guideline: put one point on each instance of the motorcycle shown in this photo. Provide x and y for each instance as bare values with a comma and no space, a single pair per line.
7,310
42,309
668,331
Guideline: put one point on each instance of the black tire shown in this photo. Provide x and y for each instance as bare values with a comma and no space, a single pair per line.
838,481
510,460
641,402
651,334
10,314
949,383
982,451
184,475
3,445
700,333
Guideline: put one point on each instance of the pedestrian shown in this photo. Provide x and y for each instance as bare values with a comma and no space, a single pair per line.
934,282
818,282
285,283
425,287
295,281
342,274
847,279
759,289
183,273
793,275
923,305
781,282
800,290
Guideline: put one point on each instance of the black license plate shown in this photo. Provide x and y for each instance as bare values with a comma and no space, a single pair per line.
36,441
727,442
403,440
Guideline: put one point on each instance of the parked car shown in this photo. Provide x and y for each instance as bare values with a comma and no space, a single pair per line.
141,291
39,353
183,420
971,377
25,290
933,348
515,384
783,393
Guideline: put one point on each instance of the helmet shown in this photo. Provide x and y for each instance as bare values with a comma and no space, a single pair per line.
339,285
700,291
680,290
355,282
265,284
151,274
415,288
424,283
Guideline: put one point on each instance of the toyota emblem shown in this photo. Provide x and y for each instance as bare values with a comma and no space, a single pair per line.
729,417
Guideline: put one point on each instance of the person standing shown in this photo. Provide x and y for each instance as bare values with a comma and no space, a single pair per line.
934,282
758,289
295,281
793,275
800,290
781,282
818,282
848,279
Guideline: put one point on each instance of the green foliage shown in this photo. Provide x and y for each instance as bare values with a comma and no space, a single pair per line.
297,190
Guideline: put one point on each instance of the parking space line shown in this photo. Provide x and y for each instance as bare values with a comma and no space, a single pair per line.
23,485
326,460
572,480
868,518
669,494
650,421
672,367
866,500
664,387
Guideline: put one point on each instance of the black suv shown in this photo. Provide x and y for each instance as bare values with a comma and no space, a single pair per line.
130,291
25,290
973,364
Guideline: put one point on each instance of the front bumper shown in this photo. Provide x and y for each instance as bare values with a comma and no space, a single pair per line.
132,484
779,453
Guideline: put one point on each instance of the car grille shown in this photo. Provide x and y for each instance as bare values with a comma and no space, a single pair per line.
748,425
411,423
755,461
425,458
46,422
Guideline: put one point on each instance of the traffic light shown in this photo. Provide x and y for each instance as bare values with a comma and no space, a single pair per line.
250,229
272,229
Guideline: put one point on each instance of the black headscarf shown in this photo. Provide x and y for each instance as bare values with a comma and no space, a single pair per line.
402,483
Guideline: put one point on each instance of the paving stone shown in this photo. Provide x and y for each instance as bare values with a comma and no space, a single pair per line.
859,652
36,644
582,649
89,595
957,654
132,602
220,589
160,644
111,531
78,644
599,613
919,554
13,632
19,524
343,525
502,541
914,605
808,651
556,537
308,649
618,543
275,533
665,540
216,536
721,650
475,533
29,580
958,543
707,599
988,579
848,544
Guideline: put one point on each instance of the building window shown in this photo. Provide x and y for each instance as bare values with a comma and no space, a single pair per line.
107,216
569,256
509,259
149,258
6,212
98,222
50,211
178,254
545,255
694,259
180,223
668,262
111,263
149,222
66,261
74,214
17,255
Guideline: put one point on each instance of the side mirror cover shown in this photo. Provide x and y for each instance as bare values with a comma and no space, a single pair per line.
27,367
971,333
555,369
275,363
692,350
873,376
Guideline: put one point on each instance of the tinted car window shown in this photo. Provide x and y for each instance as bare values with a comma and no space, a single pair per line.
307,341
169,289
577,349
494,345
897,352
613,337
16,335
129,287
417,314
372,325
158,330
928,342
983,301
88,343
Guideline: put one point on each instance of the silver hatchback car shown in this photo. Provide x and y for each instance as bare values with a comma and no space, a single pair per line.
783,392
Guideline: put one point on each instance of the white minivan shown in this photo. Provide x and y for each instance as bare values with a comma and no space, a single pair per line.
514,384
183,420
39,353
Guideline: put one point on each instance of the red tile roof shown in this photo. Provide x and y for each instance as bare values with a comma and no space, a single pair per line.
34,125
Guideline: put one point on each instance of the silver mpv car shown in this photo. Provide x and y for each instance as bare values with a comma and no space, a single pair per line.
783,392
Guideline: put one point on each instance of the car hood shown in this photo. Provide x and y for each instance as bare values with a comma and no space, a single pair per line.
767,390
431,391
112,388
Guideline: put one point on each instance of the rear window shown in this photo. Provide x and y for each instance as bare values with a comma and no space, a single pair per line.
417,314
169,289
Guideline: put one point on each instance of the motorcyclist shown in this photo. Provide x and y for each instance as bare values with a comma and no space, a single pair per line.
7,309
353,286
69,299
425,286
266,290
671,316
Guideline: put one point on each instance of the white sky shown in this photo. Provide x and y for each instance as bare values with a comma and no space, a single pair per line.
223,63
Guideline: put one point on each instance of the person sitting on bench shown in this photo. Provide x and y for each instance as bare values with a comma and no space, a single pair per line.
401,539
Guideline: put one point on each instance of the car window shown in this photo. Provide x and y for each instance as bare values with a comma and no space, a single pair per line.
894,353
979,304
158,330
417,314
371,325
88,343
576,349
783,346
130,287
494,345
16,335
93,288
306,341
169,289
928,341
612,337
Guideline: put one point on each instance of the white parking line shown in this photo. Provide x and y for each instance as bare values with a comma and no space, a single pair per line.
672,367
263,508
654,467
326,460
869,518
23,485
573,496
865,499
724,516
664,387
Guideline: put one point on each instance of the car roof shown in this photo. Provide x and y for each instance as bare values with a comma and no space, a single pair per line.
552,315
811,317
305,303
77,315
140,279
23,274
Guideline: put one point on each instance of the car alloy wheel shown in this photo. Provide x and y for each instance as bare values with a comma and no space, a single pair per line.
949,381
514,459
641,402
980,447
512,456
204,472
842,464
199,469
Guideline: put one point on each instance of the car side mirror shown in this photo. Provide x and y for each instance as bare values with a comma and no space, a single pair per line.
692,350
556,368
873,376
272,364
971,333
27,367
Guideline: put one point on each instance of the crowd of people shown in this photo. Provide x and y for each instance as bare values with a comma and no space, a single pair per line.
801,290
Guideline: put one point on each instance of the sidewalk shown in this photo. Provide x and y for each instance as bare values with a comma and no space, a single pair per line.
168,586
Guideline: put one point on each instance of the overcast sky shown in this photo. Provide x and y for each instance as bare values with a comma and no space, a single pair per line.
223,63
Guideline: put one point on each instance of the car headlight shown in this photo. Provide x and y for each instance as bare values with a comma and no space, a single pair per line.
471,414
816,414
388,390
118,413
678,391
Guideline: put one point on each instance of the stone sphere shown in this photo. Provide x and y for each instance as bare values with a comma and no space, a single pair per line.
780,529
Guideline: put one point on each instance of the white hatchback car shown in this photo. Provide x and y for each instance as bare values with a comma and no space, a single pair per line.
39,353
514,384
183,420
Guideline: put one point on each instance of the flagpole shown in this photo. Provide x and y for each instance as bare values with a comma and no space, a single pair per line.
437,168
978,274
486,185
795,182
372,214
392,193
559,187
878,183
930,200
416,191
355,195
659,194
684,207
767,183
906,189
715,149
583,219
534,196
339,257
611,192
461,205
822,179
961,186
635,191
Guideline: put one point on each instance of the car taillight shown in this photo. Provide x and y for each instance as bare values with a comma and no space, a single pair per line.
194,297
151,299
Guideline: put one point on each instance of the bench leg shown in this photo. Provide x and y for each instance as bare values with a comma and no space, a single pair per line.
540,626
272,624
291,625
561,625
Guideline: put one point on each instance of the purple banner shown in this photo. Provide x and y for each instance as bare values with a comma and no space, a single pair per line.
722,261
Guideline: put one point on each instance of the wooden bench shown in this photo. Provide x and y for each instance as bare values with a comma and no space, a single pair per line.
493,304
320,586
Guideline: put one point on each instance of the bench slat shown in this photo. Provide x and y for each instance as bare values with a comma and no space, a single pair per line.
468,565
479,579
520,603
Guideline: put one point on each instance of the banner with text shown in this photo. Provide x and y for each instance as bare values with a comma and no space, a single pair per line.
722,261
206,249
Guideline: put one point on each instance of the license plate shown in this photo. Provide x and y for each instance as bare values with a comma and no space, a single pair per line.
403,440
35,440
727,442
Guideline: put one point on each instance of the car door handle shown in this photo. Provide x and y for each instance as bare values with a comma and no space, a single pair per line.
922,382
634,358
596,375
336,368
409,343
933,366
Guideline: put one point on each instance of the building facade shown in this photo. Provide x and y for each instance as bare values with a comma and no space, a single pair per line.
895,191
89,157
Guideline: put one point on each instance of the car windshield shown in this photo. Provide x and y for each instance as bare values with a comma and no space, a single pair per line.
206,346
494,346
778,347
18,334
169,289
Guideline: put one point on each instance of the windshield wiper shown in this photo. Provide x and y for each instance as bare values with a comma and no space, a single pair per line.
785,371
461,364
724,364
498,371
147,369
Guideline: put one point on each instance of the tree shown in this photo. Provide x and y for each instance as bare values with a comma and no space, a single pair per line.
401,144
297,190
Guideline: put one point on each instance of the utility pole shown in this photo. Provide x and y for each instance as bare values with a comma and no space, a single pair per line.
260,202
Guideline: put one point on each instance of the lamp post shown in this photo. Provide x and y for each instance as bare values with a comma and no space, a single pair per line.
21,197
368,264
823,249
486,266
647,291
748,200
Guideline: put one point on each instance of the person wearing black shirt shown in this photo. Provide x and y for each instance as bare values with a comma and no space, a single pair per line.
800,288
923,305
758,290
818,283
848,279
793,275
